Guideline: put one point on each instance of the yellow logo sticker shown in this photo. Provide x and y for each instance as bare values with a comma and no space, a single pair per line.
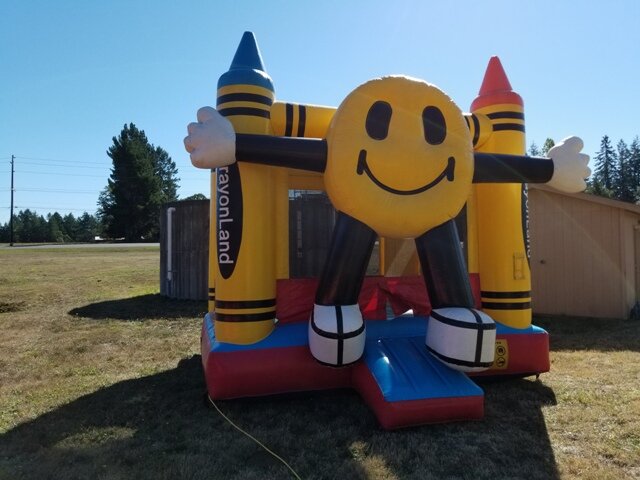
502,355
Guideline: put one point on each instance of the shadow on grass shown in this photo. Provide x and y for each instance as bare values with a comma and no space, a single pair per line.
575,333
158,427
143,307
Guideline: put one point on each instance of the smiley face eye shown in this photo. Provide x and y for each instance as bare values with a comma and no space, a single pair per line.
435,127
378,119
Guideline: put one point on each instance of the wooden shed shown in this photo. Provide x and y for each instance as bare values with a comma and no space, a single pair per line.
184,249
585,254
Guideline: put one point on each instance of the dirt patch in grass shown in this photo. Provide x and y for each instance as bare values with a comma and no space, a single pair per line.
7,307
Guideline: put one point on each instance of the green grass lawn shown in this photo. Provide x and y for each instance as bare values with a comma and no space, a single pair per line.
100,377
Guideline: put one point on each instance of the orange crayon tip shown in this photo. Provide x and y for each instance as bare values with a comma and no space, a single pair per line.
495,88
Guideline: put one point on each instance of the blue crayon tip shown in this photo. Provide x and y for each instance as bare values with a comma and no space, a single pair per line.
248,55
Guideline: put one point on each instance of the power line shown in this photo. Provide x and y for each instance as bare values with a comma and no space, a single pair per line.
58,160
92,176
60,174
30,162
55,190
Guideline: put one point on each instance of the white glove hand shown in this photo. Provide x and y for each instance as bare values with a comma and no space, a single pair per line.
570,167
212,141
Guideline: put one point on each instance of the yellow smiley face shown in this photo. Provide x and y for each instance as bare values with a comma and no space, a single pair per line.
400,157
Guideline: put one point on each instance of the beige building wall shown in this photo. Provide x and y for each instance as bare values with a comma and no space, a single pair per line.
585,254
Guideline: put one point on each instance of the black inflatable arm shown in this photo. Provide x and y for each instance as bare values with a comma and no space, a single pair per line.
501,168
301,153
311,154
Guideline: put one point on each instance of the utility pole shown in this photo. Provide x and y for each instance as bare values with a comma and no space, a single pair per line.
11,209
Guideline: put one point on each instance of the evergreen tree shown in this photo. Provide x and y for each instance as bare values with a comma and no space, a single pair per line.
30,227
70,227
634,169
605,165
166,170
547,145
534,151
5,233
142,178
56,230
87,228
623,188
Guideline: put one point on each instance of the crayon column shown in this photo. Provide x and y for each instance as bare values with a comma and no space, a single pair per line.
503,250
245,286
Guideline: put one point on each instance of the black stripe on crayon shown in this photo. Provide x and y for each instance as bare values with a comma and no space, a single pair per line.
506,306
245,97
479,336
270,302
455,361
476,129
249,111
245,317
212,290
497,127
487,294
302,119
212,298
498,115
288,130
466,119
460,324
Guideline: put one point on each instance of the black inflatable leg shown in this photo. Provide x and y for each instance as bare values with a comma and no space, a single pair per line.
336,327
347,261
443,266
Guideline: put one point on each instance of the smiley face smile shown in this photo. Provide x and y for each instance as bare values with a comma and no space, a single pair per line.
447,173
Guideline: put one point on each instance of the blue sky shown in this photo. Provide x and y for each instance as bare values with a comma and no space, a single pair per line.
74,72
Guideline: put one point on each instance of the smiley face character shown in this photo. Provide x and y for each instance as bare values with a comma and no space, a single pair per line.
398,144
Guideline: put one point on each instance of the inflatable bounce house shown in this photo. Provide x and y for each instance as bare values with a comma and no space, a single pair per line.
398,160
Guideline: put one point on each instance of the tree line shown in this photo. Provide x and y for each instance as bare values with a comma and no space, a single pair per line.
616,172
29,227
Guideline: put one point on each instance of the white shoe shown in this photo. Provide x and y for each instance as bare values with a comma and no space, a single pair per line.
336,334
462,338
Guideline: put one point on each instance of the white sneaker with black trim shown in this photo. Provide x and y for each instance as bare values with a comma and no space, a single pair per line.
336,334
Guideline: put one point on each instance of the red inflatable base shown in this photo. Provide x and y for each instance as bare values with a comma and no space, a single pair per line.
397,378
229,375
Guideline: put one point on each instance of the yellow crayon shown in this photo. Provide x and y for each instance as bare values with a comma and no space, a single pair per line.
245,284
501,209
